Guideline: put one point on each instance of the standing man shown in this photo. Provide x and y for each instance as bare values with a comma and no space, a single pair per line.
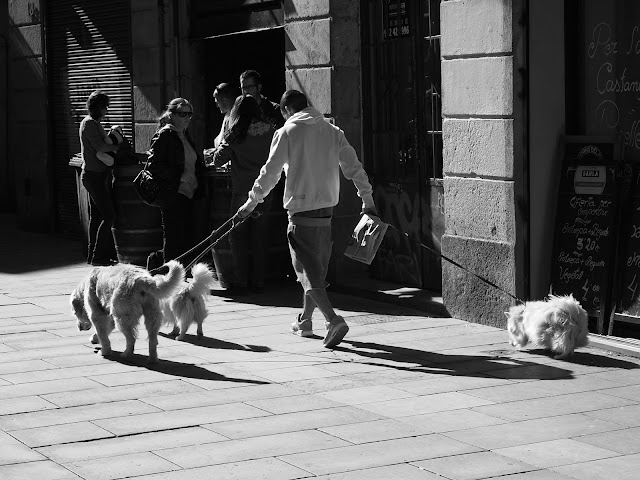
251,84
311,151
224,95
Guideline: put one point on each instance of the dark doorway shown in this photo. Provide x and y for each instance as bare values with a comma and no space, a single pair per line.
227,56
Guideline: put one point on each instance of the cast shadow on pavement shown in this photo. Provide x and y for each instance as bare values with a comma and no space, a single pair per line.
497,363
209,342
179,369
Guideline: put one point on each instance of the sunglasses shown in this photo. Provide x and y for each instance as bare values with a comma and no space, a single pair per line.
184,114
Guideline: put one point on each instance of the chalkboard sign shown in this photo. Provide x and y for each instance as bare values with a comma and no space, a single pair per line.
586,223
628,273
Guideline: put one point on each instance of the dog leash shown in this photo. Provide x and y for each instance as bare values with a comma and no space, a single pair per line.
488,282
234,221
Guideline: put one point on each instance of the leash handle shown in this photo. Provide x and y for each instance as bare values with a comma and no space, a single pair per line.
488,282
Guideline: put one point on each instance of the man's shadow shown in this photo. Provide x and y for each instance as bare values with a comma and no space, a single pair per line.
413,360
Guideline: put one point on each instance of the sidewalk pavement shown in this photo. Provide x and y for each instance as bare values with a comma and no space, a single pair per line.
404,396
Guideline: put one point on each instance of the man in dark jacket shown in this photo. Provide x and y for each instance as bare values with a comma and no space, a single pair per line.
251,84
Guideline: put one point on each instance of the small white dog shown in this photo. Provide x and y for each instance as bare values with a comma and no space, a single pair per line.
559,324
120,295
186,306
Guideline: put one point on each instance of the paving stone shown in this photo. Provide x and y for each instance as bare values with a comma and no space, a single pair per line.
626,441
219,397
262,469
543,388
627,377
189,417
558,452
625,467
37,470
251,448
92,371
451,421
145,463
291,422
403,471
12,406
42,354
113,447
366,432
18,454
631,392
102,394
298,403
474,466
438,402
361,395
553,406
27,366
43,388
377,454
6,348
532,431
21,310
71,432
75,414
628,416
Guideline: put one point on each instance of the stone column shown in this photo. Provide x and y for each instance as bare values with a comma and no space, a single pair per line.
322,58
482,159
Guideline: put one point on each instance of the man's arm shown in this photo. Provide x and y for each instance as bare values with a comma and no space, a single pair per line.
353,170
269,173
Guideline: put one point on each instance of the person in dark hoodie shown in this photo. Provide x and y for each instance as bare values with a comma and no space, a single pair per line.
174,158
246,145
312,152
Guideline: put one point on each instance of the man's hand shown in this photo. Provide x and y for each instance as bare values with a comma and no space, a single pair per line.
371,211
246,209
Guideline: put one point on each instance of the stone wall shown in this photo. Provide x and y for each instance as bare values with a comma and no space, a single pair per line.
481,125
322,58
28,128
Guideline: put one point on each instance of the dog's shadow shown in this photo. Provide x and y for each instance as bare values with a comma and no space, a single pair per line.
178,369
210,342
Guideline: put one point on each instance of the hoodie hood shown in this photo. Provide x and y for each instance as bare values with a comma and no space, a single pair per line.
309,115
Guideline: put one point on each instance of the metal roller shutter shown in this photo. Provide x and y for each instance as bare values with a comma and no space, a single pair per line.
89,48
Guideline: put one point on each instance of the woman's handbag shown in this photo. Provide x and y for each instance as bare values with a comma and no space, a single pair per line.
153,191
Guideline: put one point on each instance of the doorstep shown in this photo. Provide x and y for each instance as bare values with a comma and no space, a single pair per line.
624,346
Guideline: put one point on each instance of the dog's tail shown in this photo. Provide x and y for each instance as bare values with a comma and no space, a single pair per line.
163,286
202,280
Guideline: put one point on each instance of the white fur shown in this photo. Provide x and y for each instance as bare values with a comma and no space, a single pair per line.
559,324
120,295
186,306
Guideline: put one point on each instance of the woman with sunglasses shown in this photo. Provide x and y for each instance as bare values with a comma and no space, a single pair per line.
174,158
246,145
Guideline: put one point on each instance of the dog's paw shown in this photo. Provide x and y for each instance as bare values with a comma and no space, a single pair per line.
562,356
153,360
94,339
180,337
105,352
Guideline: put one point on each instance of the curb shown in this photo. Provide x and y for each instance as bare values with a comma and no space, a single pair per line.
624,346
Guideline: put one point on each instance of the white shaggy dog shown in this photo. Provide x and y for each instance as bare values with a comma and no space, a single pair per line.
186,306
559,324
120,295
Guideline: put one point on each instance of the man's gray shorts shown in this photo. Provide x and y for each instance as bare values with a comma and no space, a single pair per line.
310,246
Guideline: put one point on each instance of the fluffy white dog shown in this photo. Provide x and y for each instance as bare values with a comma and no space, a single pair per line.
186,306
559,324
120,295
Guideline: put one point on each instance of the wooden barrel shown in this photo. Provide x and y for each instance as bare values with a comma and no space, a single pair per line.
138,227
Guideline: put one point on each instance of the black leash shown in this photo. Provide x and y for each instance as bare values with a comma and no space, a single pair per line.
488,282
223,230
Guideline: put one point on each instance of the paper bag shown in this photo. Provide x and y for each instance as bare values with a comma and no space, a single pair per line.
365,239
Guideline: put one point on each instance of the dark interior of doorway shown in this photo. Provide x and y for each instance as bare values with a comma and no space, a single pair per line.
229,55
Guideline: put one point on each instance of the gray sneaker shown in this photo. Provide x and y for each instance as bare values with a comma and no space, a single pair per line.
302,327
336,330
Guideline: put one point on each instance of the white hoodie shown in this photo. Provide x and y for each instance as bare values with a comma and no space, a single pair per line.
310,149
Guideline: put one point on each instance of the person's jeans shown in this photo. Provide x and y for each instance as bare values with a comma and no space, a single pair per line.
249,243
178,225
101,215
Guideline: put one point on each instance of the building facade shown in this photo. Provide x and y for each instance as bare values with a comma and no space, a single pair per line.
459,110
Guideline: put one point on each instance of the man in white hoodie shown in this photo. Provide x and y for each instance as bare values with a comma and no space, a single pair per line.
311,151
